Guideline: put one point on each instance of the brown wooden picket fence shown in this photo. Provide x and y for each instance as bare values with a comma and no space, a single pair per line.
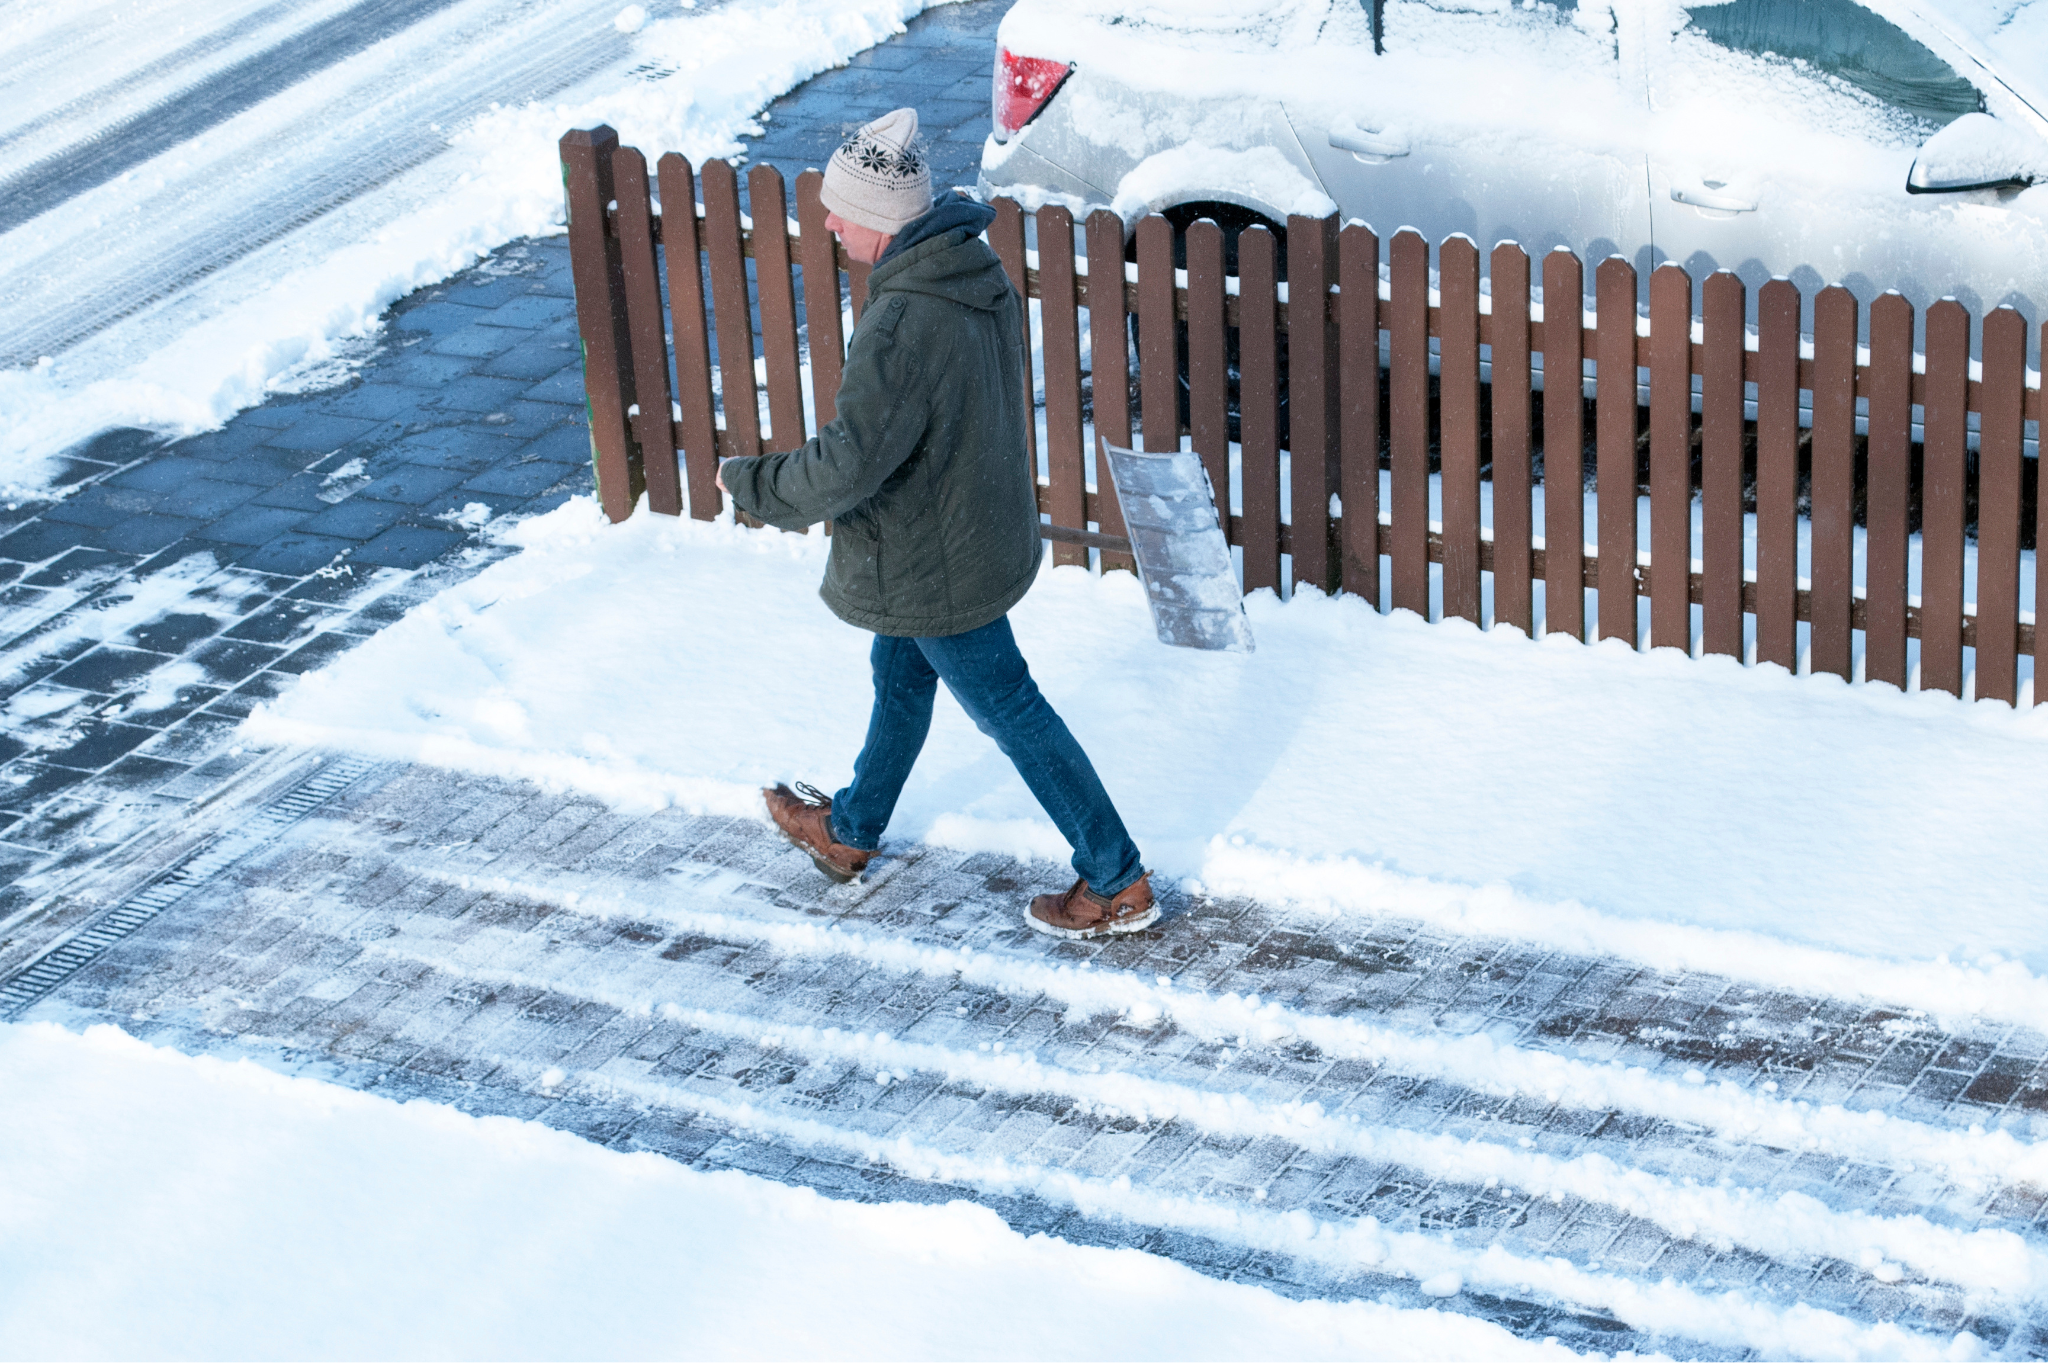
1333,313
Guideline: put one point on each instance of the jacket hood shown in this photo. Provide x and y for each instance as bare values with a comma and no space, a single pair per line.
941,254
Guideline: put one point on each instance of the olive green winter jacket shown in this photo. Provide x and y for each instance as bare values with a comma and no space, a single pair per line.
924,473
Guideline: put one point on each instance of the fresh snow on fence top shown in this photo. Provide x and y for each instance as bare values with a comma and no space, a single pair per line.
159,1206
448,171
1796,832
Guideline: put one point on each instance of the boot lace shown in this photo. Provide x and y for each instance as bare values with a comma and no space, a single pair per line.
811,795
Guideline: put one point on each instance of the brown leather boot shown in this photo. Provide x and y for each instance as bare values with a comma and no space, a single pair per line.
805,817
1080,913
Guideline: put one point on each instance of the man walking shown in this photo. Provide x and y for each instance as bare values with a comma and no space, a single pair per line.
927,479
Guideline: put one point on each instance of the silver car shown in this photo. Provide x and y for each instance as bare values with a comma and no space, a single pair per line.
1881,144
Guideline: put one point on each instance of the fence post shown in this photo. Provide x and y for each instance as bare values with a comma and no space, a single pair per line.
1208,361
1457,264
776,290
1258,405
1943,500
1564,445
1312,377
1888,501
2040,561
1724,302
821,296
1407,315
1777,474
597,269
692,338
1358,269
1158,369
1671,457
1832,484
1513,580
1060,327
1109,345
1614,445
2000,462
653,430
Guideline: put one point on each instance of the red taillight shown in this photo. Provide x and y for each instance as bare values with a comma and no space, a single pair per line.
1023,85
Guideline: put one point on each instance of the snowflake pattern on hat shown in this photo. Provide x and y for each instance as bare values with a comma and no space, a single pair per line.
878,178
882,159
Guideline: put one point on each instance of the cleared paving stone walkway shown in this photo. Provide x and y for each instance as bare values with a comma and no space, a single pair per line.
1572,1147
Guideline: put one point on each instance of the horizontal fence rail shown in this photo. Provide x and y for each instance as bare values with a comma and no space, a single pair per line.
1314,387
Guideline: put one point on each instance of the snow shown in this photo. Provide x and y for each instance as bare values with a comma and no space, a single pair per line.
1790,831
1260,172
232,1212
449,170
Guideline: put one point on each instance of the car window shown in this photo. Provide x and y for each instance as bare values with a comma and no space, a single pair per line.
1847,41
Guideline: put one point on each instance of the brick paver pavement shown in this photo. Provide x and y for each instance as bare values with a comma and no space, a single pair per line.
690,985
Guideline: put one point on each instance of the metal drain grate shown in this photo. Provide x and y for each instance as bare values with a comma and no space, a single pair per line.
46,972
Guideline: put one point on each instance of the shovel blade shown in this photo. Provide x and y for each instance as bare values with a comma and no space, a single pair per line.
1183,559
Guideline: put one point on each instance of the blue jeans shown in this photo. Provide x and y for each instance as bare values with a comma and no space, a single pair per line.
988,677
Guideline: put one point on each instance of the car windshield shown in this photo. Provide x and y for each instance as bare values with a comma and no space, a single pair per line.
1847,41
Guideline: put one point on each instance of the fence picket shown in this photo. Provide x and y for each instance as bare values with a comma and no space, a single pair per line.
1358,333
1943,497
2041,550
1259,406
1006,235
729,304
653,429
1614,422
1110,374
1060,322
1513,590
1458,443
1158,365
1832,521
1888,490
1408,420
1670,458
765,191
686,320
1312,395
595,266
1722,301
1208,361
1564,446
2000,460
1777,474
820,256
857,273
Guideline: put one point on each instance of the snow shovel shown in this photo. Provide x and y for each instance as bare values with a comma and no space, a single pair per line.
1183,558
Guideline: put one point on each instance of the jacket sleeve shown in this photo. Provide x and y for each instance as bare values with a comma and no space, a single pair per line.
882,416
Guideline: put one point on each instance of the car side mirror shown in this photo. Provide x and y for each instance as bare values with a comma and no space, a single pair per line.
1976,152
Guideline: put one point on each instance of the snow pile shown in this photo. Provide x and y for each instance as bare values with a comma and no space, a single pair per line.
234,1213
190,361
1690,814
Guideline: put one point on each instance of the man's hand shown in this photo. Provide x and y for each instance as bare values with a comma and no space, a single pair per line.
719,479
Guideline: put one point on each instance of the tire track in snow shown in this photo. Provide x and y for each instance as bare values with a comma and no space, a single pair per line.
334,136
82,166
129,93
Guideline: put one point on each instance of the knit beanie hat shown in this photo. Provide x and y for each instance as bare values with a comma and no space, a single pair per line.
876,179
